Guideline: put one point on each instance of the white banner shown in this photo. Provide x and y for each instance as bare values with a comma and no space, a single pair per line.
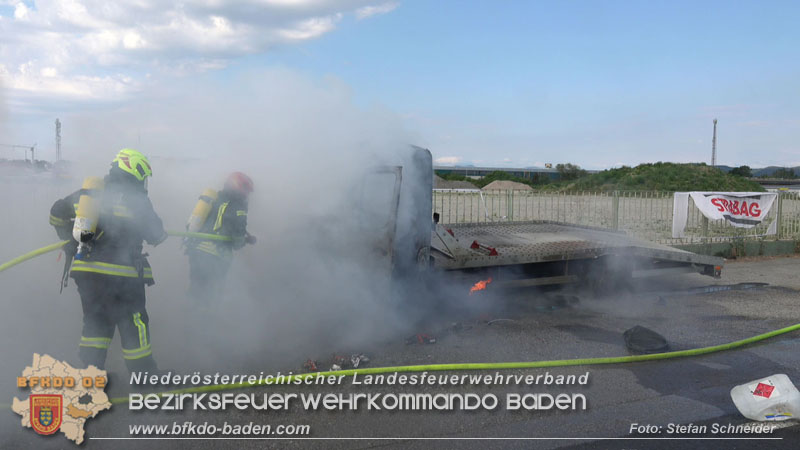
740,209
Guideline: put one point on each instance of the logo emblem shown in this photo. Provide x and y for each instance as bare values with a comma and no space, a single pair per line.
764,390
46,413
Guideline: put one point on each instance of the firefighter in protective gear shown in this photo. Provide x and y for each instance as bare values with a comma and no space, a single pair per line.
112,272
209,260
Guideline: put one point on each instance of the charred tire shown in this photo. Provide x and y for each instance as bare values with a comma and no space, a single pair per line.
608,274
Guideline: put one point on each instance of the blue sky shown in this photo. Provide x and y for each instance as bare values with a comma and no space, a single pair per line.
596,83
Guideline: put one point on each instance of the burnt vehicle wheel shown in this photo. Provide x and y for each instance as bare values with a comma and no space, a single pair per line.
608,274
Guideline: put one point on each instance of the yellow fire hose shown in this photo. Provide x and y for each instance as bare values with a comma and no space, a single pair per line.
490,366
58,245
33,254
189,234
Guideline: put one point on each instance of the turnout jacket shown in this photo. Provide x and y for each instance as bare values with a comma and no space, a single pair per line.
126,220
228,217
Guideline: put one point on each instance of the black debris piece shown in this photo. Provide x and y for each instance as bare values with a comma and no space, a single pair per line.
641,340
420,339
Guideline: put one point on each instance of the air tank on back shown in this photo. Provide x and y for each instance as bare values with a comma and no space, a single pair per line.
87,214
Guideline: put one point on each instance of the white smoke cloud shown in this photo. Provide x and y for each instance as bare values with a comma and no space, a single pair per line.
306,289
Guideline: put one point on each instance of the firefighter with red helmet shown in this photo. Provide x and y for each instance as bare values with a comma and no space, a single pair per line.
225,214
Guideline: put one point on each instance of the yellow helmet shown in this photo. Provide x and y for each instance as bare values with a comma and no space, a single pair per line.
134,163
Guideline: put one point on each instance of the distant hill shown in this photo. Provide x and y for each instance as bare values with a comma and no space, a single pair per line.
770,170
663,177
764,171
645,177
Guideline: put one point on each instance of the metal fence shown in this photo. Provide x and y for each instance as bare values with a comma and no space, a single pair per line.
644,214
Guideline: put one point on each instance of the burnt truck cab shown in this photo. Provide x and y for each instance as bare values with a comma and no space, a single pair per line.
395,208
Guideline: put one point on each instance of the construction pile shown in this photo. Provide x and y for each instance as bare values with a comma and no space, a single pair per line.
506,185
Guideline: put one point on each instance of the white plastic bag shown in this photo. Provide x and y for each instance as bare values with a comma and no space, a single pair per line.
773,398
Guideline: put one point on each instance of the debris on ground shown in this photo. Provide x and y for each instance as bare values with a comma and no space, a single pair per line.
420,339
439,333
357,359
500,320
338,362
643,340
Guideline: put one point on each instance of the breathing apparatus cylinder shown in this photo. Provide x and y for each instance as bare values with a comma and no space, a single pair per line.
201,210
83,231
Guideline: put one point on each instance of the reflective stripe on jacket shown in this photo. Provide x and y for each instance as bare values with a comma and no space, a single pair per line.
228,217
126,219
110,269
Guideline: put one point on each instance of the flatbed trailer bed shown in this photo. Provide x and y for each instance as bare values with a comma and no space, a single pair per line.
471,246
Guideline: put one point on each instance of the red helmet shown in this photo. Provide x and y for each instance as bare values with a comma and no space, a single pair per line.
239,182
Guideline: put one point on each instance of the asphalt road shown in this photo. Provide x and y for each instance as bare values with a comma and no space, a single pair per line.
540,327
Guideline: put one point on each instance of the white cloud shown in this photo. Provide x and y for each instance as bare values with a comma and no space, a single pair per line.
49,72
21,11
448,160
44,83
372,10
311,28
133,40
87,48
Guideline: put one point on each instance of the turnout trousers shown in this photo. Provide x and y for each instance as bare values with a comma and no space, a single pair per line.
207,275
111,302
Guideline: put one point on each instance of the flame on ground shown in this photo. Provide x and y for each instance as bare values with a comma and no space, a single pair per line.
480,285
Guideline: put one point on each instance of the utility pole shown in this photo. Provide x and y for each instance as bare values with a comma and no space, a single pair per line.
58,140
714,145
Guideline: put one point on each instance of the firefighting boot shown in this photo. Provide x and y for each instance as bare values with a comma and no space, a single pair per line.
145,364
93,356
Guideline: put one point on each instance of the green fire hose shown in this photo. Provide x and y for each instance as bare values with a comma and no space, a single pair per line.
31,255
189,234
491,366
53,247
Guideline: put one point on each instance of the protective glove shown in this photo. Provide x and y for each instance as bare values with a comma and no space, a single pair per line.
159,240
250,239
70,248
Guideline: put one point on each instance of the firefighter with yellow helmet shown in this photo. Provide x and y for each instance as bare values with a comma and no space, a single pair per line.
222,213
107,222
